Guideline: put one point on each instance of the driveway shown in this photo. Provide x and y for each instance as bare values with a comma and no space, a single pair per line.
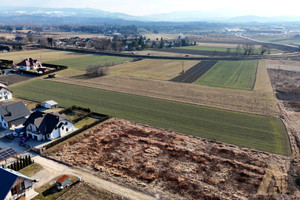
53,169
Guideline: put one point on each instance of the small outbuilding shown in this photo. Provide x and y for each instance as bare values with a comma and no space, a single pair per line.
49,104
63,182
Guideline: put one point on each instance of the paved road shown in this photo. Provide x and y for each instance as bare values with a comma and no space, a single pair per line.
53,169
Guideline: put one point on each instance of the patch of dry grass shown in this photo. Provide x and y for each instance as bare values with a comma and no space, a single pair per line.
255,102
154,69
43,55
262,82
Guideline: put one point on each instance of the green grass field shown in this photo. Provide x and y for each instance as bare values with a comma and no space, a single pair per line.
231,74
259,132
80,63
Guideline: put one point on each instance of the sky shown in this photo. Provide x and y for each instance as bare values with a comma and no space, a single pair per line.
142,7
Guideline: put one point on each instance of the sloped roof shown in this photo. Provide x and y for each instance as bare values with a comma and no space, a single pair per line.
45,122
50,102
14,111
8,178
28,62
62,178
1,87
35,118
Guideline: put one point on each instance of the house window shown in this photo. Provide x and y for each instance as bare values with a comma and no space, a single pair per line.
6,97
22,186
14,191
62,128
67,129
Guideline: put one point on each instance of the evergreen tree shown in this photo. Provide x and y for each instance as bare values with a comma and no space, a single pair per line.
162,43
30,161
15,166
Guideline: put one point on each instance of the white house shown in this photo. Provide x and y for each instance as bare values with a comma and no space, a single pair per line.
13,115
42,126
49,104
29,64
5,94
15,185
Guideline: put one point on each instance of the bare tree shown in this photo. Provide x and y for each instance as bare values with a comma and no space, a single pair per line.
263,49
248,49
96,70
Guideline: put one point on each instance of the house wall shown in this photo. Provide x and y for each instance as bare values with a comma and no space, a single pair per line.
31,130
28,189
45,105
5,95
68,127
3,123
24,67
31,127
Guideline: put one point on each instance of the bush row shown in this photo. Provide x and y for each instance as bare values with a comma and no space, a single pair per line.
21,163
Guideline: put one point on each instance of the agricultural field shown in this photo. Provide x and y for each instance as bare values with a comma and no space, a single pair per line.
231,74
259,132
195,72
80,63
262,102
42,55
153,69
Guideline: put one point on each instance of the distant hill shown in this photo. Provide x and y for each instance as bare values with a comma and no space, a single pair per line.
94,16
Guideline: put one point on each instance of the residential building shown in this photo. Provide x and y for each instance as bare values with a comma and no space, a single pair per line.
14,185
29,64
42,126
5,94
13,115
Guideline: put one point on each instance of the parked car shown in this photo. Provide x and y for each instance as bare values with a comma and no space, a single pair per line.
23,139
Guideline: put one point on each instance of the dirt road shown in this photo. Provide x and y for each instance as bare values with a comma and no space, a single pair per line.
53,169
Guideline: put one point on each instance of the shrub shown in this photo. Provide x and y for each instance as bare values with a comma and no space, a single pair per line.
96,70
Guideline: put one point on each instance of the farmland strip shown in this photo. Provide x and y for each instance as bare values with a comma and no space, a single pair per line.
195,72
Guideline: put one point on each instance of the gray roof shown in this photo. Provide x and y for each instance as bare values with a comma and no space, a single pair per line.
50,102
14,111
8,178
45,122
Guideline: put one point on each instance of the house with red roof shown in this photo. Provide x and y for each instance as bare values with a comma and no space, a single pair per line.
29,64
5,94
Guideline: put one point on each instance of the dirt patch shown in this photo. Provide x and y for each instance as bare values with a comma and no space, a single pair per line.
173,165
289,65
14,78
262,82
286,84
85,191
195,72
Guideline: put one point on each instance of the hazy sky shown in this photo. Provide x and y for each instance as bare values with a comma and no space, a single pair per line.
142,7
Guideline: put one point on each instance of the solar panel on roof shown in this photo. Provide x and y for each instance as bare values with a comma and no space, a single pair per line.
6,153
